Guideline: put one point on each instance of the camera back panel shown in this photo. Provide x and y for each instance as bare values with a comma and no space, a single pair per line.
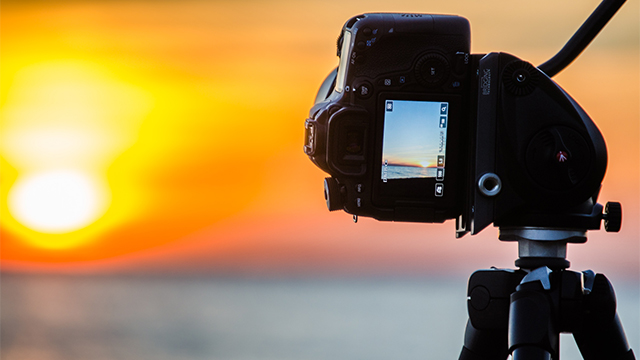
394,124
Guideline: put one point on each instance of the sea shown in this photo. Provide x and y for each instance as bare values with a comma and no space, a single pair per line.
407,172
137,317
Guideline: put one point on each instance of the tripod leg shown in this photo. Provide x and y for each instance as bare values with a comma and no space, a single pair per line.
484,344
600,335
531,331
488,305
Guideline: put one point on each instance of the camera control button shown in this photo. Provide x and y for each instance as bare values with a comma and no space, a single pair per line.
366,32
461,62
361,45
439,189
384,82
359,188
358,202
432,70
364,90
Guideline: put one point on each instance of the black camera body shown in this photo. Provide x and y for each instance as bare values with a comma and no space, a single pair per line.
412,127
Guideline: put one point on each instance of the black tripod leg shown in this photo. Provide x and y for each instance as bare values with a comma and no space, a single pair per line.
531,332
600,335
484,344
488,294
604,342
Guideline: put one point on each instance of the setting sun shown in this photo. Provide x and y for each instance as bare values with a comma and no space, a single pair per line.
58,201
63,124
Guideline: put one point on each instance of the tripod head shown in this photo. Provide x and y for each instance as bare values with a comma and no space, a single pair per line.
540,246
543,241
544,161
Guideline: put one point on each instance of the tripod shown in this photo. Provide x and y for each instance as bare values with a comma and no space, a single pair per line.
522,312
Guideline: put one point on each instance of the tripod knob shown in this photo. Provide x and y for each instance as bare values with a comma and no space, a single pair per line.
612,216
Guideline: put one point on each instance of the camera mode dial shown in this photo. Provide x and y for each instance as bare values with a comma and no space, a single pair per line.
432,70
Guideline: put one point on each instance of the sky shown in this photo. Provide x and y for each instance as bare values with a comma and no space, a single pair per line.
412,133
173,131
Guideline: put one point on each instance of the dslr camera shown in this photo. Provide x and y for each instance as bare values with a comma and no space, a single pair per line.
413,127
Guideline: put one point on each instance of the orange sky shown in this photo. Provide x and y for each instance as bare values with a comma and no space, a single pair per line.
188,117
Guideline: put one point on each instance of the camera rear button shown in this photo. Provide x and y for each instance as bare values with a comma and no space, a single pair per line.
461,62
364,90
432,70
358,202
359,188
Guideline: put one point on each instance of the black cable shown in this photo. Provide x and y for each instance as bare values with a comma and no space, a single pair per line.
582,38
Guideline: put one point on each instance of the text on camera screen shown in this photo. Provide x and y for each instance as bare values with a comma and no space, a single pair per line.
414,139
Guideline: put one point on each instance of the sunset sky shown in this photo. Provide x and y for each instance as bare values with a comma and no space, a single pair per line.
174,129
411,134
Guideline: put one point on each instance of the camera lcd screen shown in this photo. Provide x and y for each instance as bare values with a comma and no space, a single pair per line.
414,139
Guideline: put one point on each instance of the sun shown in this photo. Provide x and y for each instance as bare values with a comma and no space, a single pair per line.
64,124
57,201
424,163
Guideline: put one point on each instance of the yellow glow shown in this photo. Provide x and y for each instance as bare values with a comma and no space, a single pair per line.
63,125
69,114
57,201
425,163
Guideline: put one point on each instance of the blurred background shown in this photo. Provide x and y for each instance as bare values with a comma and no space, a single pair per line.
188,224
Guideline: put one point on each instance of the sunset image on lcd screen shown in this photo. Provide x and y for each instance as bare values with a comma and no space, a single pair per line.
414,140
